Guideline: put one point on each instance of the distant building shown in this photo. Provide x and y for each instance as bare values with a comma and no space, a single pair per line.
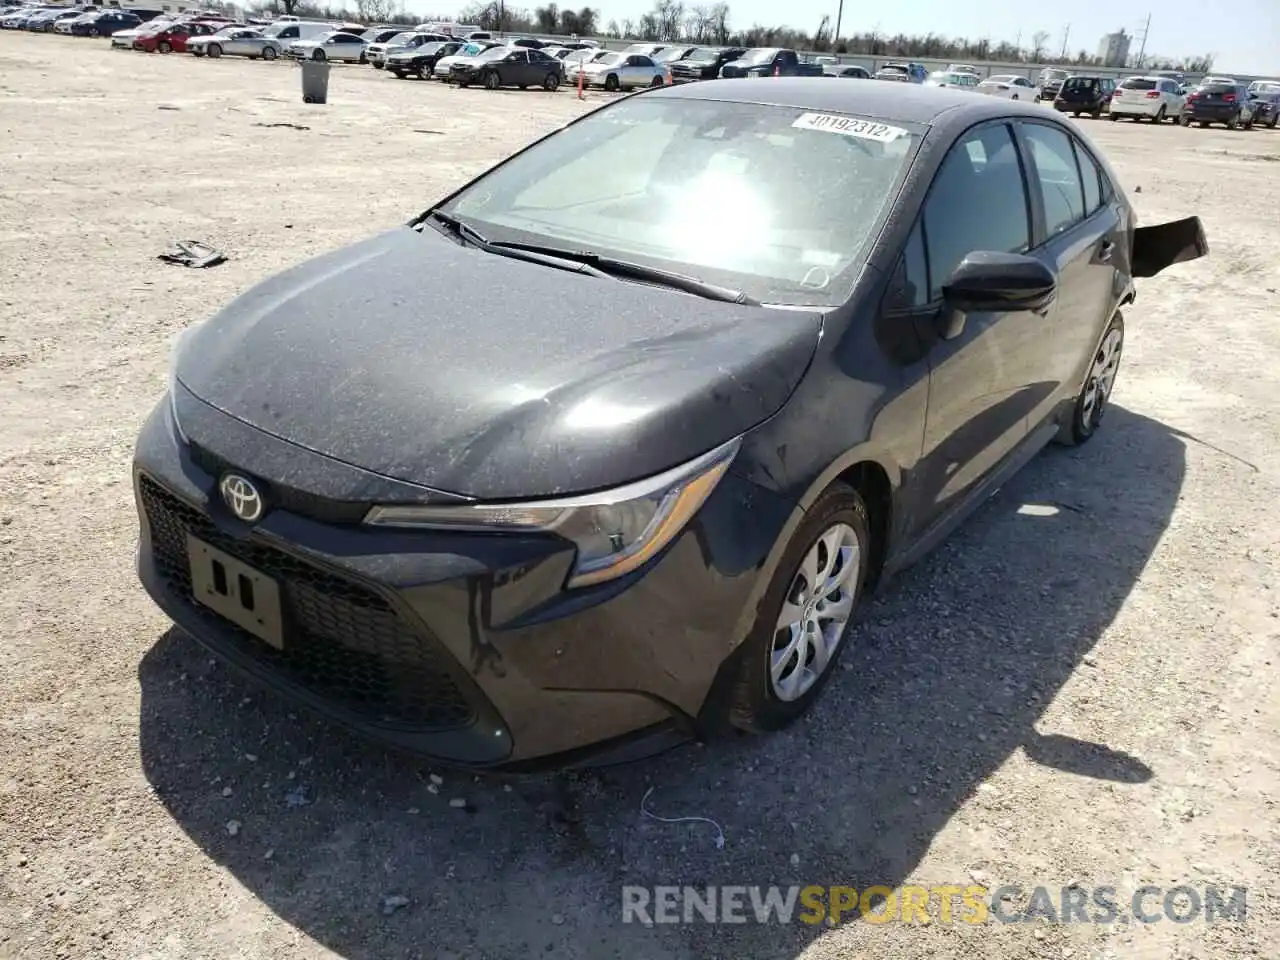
1113,51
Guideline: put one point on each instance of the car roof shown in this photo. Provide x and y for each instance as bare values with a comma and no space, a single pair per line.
908,103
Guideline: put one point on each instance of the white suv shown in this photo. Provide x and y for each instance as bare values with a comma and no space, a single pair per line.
1156,98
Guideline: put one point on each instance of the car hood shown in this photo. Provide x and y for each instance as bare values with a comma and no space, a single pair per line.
382,355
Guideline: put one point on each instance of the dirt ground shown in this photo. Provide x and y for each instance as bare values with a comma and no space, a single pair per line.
1079,687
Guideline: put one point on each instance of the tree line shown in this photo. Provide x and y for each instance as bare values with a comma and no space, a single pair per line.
672,21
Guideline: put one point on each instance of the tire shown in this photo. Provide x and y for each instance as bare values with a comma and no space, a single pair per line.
164,47
378,66
839,515
319,55
215,50
195,51
491,81
1090,404
1272,124
551,82
399,74
269,53
1184,121
93,32
1248,124
1076,114
1160,114
1097,114
1203,124
364,57
611,82
1014,97
1112,117
656,82
422,72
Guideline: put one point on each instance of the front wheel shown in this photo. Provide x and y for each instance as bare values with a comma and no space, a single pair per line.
805,615
1095,393
268,53
318,55
378,66
655,82
611,82
215,50
1248,124
93,32
491,81
1112,117
164,47
551,83
1014,97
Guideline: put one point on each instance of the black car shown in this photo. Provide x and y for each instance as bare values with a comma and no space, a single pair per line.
106,23
1049,83
420,61
517,67
1085,94
482,531
703,63
1266,108
1225,103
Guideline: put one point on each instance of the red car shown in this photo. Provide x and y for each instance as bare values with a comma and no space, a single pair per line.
174,36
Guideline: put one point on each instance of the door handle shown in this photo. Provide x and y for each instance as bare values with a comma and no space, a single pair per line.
1105,251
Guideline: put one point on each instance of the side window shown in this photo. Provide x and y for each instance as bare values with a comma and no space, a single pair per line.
1059,177
975,206
1092,178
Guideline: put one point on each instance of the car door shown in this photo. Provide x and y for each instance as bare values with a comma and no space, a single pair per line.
1079,236
981,379
239,43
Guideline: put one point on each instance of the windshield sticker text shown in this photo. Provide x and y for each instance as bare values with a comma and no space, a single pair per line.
849,126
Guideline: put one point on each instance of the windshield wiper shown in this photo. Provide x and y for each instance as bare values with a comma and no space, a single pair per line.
469,234
611,266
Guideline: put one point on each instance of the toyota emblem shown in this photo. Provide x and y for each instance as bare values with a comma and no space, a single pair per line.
241,496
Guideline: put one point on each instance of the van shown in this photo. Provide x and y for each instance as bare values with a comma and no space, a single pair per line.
289,30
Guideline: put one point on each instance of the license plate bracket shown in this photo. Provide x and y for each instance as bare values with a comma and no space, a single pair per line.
247,597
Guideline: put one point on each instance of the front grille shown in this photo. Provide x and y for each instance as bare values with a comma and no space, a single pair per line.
301,502
342,640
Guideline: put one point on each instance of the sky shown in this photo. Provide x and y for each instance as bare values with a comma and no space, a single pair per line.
1247,41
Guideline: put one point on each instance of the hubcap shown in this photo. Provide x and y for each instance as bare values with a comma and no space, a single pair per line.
1102,377
815,612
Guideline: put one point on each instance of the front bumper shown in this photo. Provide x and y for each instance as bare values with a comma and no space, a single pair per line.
463,648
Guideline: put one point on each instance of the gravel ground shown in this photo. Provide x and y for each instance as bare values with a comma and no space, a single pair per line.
1079,691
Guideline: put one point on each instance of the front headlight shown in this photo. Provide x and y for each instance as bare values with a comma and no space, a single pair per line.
616,531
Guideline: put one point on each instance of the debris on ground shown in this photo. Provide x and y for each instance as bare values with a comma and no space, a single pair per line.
393,902
653,816
298,796
291,126
233,827
192,253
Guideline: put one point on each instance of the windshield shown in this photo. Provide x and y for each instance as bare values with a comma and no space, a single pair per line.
759,56
1138,83
402,37
669,54
1264,86
704,54
1079,83
492,53
470,50
607,59
1054,75
1003,78
641,180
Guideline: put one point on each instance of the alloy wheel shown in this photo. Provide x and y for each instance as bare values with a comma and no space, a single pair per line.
1102,377
816,611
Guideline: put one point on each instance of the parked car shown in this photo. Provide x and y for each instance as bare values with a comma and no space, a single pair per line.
472,48
850,71
1152,98
335,45
770,62
1214,78
529,43
173,37
951,78
63,26
405,40
712,477
1265,101
1085,94
644,49
123,39
374,35
105,23
672,54
963,68
420,61
289,30
1049,83
1010,86
236,42
45,20
1225,103
620,71
902,71
576,58
516,67
703,63
1264,86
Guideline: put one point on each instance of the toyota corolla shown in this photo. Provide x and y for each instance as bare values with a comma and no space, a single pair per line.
638,494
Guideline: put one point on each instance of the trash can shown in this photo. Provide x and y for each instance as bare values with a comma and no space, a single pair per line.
315,81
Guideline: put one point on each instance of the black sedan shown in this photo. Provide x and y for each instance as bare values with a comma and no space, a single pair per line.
420,61
638,491
1225,103
518,67
703,63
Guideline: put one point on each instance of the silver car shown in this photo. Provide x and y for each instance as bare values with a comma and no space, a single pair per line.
236,42
409,40
337,45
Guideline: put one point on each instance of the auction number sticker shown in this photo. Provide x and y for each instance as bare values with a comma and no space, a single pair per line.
849,126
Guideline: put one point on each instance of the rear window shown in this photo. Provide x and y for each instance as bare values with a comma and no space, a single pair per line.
1137,84
1217,88
1079,83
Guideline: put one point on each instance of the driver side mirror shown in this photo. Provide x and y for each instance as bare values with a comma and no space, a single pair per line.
990,282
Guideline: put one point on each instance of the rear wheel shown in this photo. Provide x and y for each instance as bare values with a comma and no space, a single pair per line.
164,47
655,82
1159,117
1095,392
551,83
806,614
93,32
215,50
1234,123
491,81
1248,124
421,71
268,53
1112,117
